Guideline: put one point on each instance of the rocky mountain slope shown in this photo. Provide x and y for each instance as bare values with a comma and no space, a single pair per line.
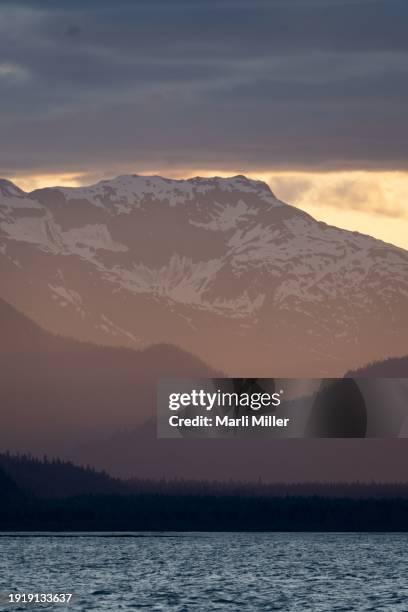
219,267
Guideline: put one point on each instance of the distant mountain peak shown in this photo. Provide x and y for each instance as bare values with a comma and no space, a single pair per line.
124,193
138,183
236,179
210,263
9,189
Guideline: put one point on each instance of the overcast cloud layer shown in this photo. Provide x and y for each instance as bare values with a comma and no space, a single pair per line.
295,84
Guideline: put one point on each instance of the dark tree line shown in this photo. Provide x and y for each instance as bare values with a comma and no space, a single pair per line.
51,477
186,506
395,367
157,512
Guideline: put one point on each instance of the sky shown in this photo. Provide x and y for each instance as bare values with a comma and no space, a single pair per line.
309,95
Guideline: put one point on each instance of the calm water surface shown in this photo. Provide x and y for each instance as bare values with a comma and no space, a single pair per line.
209,571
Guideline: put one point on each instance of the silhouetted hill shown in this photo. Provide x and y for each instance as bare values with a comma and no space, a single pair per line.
21,336
52,478
56,478
9,491
62,497
57,393
142,454
389,368
94,405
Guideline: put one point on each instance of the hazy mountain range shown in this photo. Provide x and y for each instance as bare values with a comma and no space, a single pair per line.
65,398
218,267
96,405
188,278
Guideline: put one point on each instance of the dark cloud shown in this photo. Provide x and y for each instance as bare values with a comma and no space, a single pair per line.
240,84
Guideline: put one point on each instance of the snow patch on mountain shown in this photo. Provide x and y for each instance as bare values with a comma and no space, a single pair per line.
34,230
127,192
116,330
66,296
227,216
49,237
181,280
224,246
89,238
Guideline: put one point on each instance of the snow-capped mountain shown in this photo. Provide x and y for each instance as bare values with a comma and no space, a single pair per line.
219,267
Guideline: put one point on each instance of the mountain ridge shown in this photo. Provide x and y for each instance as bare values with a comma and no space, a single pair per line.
15,190
396,367
58,394
95,405
219,266
223,182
